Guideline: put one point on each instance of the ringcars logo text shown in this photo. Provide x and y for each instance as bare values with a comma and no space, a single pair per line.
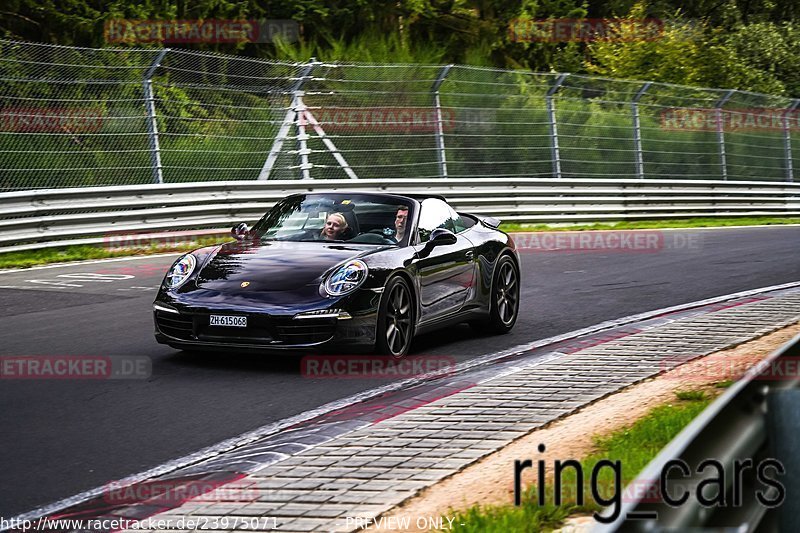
673,486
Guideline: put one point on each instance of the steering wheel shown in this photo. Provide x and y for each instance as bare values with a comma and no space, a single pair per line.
372,237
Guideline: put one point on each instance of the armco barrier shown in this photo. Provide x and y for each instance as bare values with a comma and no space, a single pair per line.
755,424
86,215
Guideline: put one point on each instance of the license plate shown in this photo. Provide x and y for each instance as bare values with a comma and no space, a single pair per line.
229,321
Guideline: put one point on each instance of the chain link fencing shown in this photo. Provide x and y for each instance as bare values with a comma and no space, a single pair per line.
74,117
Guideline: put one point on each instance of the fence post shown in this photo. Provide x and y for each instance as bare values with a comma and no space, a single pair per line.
437,104
723,159
551,117
787,139
637,130
288,120
302,138
152,126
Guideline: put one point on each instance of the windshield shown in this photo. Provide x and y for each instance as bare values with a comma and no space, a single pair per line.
338,217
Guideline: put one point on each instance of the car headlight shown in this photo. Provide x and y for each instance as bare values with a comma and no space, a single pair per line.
346,278
180,271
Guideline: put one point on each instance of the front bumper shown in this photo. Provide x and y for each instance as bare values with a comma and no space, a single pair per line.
186,325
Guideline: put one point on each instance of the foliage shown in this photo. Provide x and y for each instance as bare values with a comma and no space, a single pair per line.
756,57
748,45
215,122
370,47
690,395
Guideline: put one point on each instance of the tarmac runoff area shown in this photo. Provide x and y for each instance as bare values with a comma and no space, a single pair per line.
347,470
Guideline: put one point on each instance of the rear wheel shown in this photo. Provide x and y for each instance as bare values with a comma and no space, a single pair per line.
504,300
395,319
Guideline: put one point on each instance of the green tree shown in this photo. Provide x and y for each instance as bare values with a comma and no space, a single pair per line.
751,58
752,44
772,51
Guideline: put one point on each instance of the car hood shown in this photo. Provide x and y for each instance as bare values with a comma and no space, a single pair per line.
274,266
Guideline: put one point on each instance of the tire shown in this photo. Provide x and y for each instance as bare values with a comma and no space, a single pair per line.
395,329
504,299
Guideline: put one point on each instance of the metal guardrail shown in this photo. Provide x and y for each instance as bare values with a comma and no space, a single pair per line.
56,217
755,421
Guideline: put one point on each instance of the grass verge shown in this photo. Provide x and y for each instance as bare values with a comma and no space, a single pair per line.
702,222
634,447
45,256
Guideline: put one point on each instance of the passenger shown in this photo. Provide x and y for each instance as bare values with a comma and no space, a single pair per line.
335,227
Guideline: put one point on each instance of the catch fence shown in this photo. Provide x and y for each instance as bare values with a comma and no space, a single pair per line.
74,117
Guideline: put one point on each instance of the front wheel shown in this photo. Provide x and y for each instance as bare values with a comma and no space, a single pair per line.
504,301
395,319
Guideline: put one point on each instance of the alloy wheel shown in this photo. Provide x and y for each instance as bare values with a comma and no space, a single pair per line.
507,295
398,319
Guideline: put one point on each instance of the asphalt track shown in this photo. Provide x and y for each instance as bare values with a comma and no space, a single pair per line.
60,437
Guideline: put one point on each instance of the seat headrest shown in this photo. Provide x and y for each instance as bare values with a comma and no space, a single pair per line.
352,222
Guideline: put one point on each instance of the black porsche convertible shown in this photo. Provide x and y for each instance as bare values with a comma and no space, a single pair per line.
354,271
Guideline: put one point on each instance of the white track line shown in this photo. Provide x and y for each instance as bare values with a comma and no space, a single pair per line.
274,427
566,229
88,262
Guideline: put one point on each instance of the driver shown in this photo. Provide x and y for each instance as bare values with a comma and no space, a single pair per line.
335,227
400,220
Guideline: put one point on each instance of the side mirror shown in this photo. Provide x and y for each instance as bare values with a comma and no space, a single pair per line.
442,237
240,231
439,237
492,222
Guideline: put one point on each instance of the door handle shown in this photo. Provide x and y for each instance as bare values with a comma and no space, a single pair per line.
470,254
